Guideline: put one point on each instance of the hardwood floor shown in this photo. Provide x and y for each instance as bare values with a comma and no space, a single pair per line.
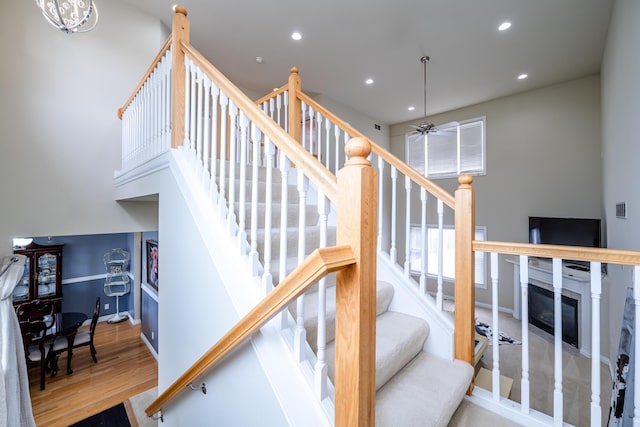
125,368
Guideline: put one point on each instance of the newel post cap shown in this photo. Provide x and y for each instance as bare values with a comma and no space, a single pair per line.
178,8
357,150
465,180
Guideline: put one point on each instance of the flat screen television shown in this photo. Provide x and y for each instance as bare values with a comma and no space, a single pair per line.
565,231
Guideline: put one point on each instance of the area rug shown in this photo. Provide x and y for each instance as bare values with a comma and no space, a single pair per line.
115,416
486,330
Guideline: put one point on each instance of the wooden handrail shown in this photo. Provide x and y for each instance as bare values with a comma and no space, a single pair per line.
401,166
310,166
273,94
614,256
146,75
320,263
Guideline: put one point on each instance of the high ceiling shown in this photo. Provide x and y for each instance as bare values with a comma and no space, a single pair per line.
344,42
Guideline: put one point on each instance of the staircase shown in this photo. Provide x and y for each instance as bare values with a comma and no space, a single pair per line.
413,387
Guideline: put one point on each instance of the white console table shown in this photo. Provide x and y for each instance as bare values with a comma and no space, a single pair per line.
576,284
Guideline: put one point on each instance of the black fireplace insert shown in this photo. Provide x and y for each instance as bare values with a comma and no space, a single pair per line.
541,313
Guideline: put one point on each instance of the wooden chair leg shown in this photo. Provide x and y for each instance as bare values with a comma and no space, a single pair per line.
43,369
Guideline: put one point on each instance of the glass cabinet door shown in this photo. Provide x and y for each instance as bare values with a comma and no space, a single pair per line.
46,269
21,291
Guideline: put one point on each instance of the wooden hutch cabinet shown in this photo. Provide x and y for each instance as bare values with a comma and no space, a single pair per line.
42,277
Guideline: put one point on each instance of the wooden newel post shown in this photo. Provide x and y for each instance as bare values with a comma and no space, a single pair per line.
464,314
179,34
356,290
294,113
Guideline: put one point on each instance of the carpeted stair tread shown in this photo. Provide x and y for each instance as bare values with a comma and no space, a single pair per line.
384,295
399,338
426,392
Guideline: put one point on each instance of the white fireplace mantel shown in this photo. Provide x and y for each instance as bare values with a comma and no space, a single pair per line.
576,284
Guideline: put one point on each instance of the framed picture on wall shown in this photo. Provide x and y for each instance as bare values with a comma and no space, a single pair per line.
152,263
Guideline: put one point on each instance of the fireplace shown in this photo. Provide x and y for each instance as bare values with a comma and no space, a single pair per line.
541,313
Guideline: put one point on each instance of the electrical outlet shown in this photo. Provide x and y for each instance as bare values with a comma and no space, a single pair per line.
106,306
153,335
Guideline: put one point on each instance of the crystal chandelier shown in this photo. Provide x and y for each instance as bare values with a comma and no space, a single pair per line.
70,16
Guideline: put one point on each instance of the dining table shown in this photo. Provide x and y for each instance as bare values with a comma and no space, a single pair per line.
66,325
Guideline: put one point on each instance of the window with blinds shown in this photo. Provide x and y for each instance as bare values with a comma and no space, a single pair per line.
449,152
448,253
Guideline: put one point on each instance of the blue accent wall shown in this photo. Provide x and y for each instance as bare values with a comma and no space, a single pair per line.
150,319
82,256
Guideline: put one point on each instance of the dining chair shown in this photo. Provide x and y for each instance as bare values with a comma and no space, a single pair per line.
37,310
36,345
82,338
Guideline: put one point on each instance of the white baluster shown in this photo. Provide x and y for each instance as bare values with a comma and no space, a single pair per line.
167,114
423,240
380,193
267,280
254,262
524,297
300,336
321,364
187,103
312,148
152,111
215,140
286,108
393,251
303,131
279,107
233,132
193,115
284,166
496,336
271,104
596,291
222,201
336,133
440,291
636,350
206,137
557,333
327,133
242,235
319,137
407,231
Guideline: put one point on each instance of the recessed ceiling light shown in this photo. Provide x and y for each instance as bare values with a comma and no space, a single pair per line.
259,59
369,81
504,26
296,36
523,76
411,108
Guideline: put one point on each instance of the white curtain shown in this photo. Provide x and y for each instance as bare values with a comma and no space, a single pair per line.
15,402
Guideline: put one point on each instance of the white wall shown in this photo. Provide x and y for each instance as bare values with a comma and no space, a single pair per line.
195,311
60,132
543,158
621,148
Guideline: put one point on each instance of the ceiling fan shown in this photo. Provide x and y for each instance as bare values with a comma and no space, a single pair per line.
427,127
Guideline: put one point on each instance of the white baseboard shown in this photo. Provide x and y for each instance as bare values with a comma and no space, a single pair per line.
149,346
